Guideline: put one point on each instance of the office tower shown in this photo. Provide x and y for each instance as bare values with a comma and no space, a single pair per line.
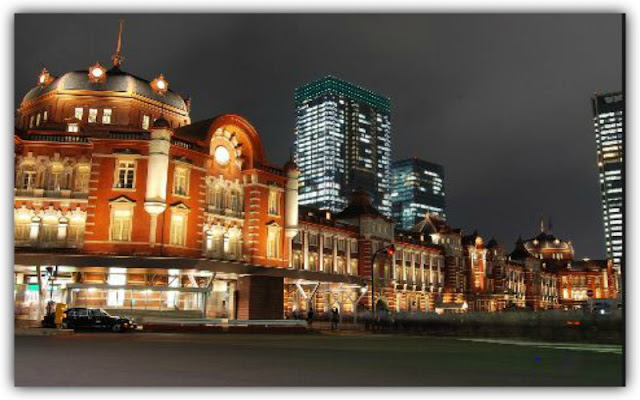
608,114
417,188
342,143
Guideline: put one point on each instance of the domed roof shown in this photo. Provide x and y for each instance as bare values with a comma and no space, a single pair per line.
116,81
546,241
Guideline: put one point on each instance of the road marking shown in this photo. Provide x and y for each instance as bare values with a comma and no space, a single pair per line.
597,348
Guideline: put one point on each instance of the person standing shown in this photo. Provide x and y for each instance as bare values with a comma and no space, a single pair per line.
310,315
335,318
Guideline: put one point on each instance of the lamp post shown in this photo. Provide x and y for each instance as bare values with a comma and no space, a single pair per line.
389,250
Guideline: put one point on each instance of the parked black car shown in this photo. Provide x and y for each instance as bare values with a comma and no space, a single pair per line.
95,318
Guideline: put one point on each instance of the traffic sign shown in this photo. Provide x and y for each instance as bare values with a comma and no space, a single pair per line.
590,293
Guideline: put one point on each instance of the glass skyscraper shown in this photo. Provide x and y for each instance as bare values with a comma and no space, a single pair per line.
417,188
608,114
342,143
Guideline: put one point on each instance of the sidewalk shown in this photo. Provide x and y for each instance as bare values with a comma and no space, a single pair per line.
25,327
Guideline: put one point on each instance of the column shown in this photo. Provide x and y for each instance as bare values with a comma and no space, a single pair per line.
335,253
305,250
347,249
321,252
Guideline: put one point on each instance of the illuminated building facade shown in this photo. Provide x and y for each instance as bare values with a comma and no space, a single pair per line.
122,202
342,143
417,189
608,117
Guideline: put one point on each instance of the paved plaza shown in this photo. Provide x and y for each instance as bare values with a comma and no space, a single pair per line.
146,359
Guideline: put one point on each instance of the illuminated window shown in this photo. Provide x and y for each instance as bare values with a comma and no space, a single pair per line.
27,178
274,203
75,231
55,177
125,174
181,181
45,116
234,201
78,113
72,127
49,230
93,115
146,120
82,178
21,227
106,115
31,121
38,119
273,241
218,198
117,277
178,229
328,241
121,222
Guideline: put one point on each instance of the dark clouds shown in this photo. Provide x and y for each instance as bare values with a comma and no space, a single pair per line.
501,101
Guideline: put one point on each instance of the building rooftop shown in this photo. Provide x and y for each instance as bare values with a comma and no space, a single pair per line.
333,85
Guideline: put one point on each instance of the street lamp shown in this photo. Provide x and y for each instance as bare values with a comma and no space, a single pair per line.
389,250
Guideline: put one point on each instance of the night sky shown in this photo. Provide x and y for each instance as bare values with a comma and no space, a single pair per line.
502,101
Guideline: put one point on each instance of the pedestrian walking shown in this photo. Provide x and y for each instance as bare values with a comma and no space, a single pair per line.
310,315
335,318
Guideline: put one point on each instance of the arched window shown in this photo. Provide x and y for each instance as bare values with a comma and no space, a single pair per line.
234,200
55,177
82,178
67,182
218,197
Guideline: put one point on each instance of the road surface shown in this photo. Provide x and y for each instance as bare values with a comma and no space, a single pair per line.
156,359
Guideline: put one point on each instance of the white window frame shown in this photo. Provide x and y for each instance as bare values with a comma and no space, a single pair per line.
181,180
120,206
125,164
178,237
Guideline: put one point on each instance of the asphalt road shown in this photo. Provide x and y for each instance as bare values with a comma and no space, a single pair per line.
148,359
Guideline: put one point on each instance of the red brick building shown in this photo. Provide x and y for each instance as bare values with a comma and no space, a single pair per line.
122,202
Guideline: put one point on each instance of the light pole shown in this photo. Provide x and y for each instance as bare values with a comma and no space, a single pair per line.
390,250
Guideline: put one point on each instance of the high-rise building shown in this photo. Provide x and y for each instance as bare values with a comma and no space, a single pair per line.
608,115
342,143
417,188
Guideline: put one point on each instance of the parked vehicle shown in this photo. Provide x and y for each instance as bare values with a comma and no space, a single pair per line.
95,318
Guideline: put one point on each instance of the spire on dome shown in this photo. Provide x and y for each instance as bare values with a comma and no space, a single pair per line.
117,57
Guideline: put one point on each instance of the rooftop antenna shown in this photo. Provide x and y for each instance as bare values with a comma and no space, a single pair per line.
542,224
117,57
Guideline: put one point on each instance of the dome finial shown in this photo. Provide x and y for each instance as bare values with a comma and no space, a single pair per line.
117,57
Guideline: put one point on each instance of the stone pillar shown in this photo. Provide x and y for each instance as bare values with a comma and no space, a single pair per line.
334,255
321,252
157,174
347,249
305,250
291,207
